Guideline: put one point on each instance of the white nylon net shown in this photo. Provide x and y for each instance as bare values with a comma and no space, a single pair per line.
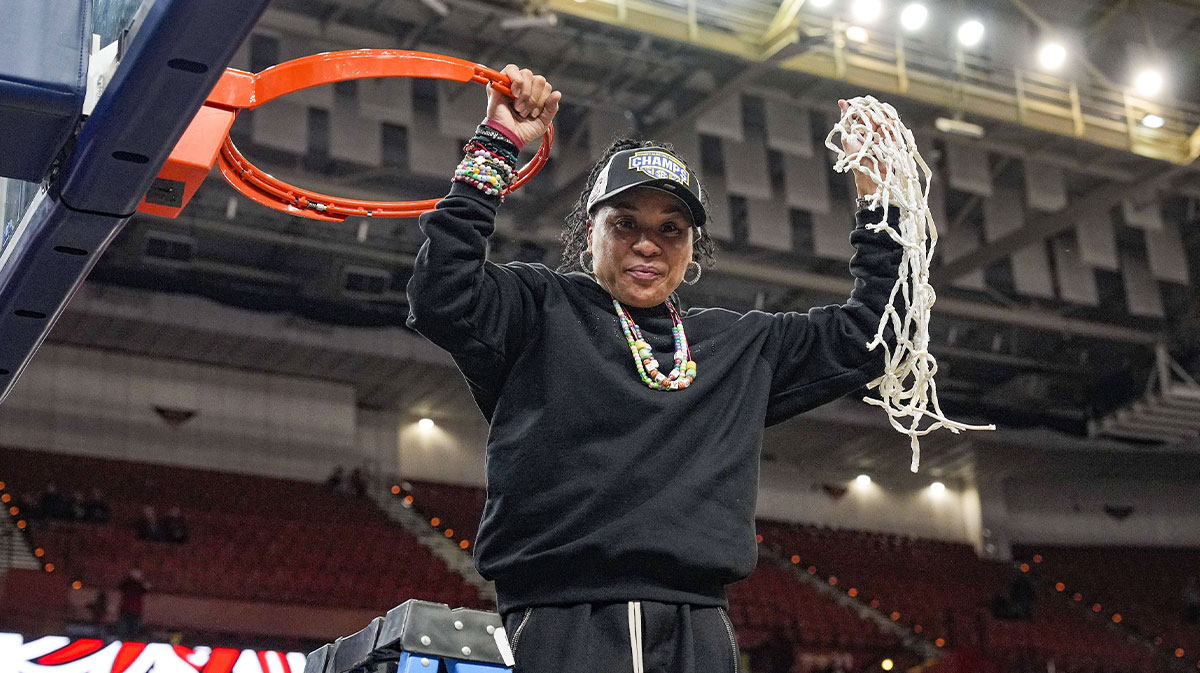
906,389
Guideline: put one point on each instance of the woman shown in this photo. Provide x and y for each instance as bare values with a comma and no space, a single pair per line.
621,490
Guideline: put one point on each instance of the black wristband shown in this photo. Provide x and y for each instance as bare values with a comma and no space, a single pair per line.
495,140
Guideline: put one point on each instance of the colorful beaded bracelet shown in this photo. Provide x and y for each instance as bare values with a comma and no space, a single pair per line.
484,173
494,162
488,162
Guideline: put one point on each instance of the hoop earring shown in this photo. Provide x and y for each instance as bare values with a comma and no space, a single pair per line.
699,271
585,265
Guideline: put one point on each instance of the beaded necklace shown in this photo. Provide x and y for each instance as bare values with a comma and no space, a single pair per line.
684,371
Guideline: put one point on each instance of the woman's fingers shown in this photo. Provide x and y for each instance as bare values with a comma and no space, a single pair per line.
551,108
520,83
525,96
514,79
513,73
539,90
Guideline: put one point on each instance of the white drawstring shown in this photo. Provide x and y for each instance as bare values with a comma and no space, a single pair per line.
635,635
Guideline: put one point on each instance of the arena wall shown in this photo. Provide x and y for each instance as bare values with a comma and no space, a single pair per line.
92,402
1072,511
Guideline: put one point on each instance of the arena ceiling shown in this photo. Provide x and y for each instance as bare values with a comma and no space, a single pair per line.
1022,361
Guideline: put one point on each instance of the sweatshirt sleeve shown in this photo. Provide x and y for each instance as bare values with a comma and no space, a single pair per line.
477,310
821,355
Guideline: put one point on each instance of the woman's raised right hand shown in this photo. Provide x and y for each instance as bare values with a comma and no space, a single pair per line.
531,109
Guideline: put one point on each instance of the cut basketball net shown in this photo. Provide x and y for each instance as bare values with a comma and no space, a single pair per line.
906,389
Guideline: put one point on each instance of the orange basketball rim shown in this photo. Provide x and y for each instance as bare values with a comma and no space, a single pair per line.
206,141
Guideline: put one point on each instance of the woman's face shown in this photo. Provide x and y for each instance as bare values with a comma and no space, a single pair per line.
641,243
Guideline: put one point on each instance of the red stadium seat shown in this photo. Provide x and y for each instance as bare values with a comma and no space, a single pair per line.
251,538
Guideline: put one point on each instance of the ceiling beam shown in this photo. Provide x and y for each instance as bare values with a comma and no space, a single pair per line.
1147,32
787,13
1096,30
941,352
1095,203
1192,5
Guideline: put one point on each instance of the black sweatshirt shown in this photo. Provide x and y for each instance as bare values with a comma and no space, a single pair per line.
599,488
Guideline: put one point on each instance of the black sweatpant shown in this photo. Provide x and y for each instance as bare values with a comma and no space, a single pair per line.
634,637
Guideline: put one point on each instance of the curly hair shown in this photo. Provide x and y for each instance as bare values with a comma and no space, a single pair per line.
574,234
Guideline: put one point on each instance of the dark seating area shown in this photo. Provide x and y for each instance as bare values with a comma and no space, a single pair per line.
1153,593
272,540
460,507
944,591
954,587
249,538
772,598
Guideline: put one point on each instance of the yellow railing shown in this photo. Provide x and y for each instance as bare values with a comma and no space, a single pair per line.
749,29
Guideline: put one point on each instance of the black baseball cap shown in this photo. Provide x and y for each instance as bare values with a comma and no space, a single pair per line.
650,167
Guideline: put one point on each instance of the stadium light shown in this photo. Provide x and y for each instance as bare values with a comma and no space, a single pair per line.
1149,82
863,480
970,33
913,16
425,424
887,664
857,34
1153,121
937,488
1052,55
866,11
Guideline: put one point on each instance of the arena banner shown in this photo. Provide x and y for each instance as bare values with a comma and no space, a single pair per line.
59,654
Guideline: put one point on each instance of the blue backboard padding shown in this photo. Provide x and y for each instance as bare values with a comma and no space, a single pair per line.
143,112
43,71
153,97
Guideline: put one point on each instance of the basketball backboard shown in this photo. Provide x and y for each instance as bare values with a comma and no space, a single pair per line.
169,53
111,21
